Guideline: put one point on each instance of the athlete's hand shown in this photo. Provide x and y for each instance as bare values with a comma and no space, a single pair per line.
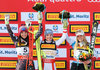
43,54
28,23
7,19
40,17
65,23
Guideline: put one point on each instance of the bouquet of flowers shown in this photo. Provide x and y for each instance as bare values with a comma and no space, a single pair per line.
84,56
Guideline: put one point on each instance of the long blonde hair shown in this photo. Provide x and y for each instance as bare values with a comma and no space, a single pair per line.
84,39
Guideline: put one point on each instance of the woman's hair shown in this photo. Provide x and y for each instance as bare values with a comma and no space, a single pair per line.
26,39
21,29
84,39
19,40
48,31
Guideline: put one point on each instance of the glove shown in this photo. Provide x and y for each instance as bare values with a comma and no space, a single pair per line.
28,23
43,54
65,23
40,17
6,19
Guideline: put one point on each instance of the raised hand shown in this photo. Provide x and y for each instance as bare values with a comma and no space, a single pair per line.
7,19
65,23
28,23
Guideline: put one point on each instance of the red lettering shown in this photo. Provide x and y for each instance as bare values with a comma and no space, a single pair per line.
97,16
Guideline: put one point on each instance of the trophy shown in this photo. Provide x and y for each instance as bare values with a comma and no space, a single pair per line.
64,14
39,7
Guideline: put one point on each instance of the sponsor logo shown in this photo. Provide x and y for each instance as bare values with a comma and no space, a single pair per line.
97,41
54,1
55,27
58,28
6,40
34,53
98,30
54,16
50,46
96,16
93,0
74,16
57,38
71,52
8,52
97,64
13,15
97,52
75,27
32,16
3,28
8,64
79,16
61,64
61,53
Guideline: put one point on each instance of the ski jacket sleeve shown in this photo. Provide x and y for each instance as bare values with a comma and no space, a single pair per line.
58,42
70,41
13,37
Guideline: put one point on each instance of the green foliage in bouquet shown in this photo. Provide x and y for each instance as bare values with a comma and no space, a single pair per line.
83,56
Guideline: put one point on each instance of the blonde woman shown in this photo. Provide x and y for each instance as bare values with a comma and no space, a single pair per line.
82,52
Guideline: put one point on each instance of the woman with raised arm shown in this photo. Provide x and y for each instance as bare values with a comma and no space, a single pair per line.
49,47
22,42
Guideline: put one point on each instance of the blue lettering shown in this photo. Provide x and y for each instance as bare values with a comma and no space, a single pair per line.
72,16
5,28
0,28
57,51
1,52
14,28
10,52
82,16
